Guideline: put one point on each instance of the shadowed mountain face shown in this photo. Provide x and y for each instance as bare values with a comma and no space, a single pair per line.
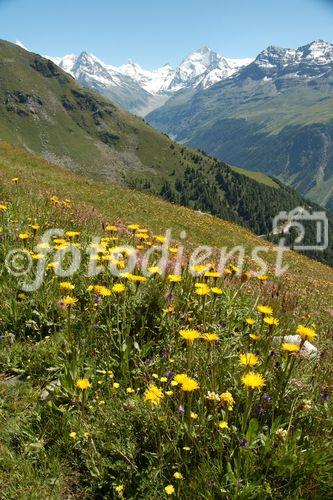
275,115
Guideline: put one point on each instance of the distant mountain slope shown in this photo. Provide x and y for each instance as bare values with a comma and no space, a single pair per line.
275,115
46,111
96,202
139,90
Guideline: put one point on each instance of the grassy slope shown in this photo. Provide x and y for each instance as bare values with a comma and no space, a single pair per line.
125,435
257,176
310,281
72,136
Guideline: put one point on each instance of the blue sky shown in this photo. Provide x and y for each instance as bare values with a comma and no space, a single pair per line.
153,33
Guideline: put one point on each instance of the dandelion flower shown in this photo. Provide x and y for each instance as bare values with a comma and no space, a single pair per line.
83,384
223,424
130,390
200,268
154,270
178,475
118,288
250,321
217,291
253,380
187,383
153,395
248,359
210,337
104,291
266,310
271,321
189,335
66,285
174,278
24,236
119,488
290,347
169,490
306,333
212,274
202,291
254,336
68,301
262,277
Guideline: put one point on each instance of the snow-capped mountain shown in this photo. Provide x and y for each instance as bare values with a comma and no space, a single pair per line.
204,67
155,81
307,61
274,115
149,89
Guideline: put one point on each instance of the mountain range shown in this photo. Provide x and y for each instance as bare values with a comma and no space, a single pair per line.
274,115
139,90
45,110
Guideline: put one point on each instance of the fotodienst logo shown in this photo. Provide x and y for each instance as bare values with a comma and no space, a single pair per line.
310,229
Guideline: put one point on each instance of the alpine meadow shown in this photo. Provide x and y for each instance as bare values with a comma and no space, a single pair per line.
166,327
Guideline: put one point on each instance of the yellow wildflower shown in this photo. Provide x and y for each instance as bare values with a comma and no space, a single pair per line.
178,475
68,301
189,335
174,278
169,490
154,270
66,285
248,359
153,394
187,383
253,380
290,347
266,310
83,384
271,321
254,336
210,337
306,333
227,399
202,290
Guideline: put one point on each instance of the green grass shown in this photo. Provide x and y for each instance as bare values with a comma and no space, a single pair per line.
120,438
257,176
